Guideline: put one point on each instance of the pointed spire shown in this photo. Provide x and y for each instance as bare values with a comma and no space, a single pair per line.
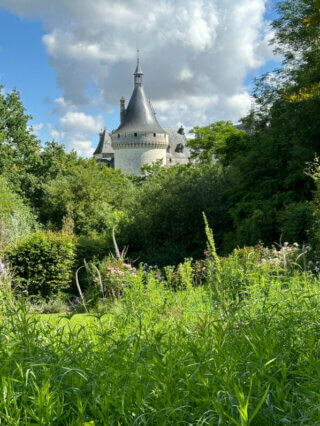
138,72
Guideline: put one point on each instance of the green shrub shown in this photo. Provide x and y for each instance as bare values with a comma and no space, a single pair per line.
93,247
43,263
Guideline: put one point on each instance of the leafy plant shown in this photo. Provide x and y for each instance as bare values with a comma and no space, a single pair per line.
42,263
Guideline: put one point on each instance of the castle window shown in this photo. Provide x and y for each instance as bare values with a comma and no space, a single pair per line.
179,148
118,135
168,149
154,135
136,134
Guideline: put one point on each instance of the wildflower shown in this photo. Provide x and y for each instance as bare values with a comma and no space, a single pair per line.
310,262
295,245
316,269
128,266
286,244
308,248
204,268
207,253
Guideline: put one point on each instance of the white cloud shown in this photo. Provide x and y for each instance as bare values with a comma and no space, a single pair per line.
61,106
77,131
195,54
80,122
36,129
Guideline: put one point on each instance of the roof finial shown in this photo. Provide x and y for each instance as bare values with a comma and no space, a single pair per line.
138,72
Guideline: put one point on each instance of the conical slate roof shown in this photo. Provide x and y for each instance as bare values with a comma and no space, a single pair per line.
139,115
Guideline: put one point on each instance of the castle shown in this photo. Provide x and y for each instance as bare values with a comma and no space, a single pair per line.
140,139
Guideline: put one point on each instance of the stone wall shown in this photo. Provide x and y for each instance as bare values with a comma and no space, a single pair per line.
133,150
130,160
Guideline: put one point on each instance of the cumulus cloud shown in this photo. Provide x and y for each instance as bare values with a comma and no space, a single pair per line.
76,130
195,54
36,129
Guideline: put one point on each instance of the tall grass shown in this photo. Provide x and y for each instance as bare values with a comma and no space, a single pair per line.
247,353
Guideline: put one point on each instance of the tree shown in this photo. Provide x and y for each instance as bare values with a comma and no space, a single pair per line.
220,140
89,193
268,179
165,218
19,148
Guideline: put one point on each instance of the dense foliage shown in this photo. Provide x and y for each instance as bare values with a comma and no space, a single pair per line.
16,217
243,349
42,263
165,223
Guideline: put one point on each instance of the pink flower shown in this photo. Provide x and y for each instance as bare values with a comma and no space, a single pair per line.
204,268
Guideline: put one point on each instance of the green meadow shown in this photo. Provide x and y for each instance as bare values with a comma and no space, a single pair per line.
241,349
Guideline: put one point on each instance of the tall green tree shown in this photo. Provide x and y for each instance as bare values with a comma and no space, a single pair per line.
217,141
19,148
269,198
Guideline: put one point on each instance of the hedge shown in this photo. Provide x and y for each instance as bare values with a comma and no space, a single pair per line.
43,263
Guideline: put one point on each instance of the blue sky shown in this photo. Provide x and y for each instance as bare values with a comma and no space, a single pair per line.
38,54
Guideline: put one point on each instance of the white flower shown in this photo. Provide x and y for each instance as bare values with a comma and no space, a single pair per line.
295,245
310,262
308,248
316,269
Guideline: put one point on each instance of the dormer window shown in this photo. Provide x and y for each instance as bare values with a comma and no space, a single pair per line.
179,148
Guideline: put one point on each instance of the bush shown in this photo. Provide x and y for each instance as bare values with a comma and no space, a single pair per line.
93,247
43,263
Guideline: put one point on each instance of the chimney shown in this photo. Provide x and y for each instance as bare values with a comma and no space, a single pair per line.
122,110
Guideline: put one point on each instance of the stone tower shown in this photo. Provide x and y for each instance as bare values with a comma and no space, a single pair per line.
139,139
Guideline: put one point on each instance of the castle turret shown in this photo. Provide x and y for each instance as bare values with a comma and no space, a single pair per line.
139,139
104,152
